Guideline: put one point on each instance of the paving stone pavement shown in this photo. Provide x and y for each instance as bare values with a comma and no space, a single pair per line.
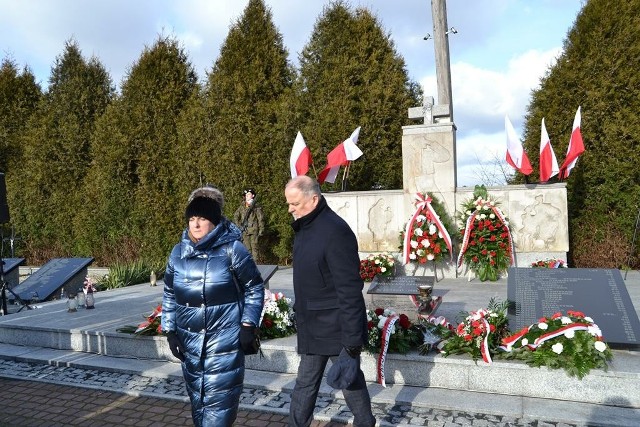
42,395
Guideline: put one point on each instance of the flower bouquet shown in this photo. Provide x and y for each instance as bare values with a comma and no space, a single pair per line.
572,342
487,247
425,237
151,326
277,316
381,264
402,334
480,334
389,333
549,263
90,282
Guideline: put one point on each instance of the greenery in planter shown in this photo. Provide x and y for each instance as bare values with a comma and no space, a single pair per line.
123,275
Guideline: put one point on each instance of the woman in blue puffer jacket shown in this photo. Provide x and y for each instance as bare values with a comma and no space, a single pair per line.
209,322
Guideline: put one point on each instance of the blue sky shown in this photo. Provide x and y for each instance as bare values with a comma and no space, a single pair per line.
501,50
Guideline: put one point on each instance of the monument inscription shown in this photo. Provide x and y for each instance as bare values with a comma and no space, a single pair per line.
398,285
600,294
49,278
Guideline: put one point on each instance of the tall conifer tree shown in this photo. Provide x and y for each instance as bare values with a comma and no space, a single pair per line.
56,151
248,130
351,75
597,71
134,175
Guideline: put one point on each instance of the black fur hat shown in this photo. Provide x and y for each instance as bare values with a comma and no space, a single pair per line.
204,207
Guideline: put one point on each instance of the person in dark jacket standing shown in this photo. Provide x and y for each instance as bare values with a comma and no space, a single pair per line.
250,219
209,322
330,311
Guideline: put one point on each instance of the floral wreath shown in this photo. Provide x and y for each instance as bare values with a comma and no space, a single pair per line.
425,238
487,244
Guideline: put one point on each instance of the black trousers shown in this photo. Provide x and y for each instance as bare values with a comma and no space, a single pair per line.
305,393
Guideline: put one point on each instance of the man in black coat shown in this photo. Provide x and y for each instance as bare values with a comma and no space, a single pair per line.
330,311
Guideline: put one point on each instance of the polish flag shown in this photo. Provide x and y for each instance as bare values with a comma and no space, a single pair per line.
516,156
576,147
300,157
548,161
344,153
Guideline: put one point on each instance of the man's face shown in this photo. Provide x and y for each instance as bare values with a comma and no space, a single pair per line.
299,203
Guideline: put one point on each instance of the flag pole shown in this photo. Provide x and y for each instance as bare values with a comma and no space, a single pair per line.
345,176
313,165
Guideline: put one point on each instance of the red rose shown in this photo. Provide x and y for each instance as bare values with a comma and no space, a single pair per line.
267,323
370,325
404,321
379,311
484,252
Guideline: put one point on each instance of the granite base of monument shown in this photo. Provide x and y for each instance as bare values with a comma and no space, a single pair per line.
396,292
598,293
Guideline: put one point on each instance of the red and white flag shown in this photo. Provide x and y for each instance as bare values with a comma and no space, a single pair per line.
300,157
576,147
516,156
344,153
548,161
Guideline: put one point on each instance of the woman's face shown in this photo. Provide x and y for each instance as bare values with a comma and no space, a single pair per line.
200,227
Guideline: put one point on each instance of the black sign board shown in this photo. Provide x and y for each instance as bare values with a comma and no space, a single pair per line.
10,264
267,271
52,276
600,294
10,271
398,285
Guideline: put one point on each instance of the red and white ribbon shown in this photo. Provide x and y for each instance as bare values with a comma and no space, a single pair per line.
484,346
384,346
510,341
440,321
550,335
422,204
156,313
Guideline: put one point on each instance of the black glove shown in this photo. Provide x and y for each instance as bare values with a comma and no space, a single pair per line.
353,351
248,339
175,346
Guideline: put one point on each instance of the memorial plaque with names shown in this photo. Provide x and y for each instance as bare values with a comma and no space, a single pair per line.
52,276
398,285
598,293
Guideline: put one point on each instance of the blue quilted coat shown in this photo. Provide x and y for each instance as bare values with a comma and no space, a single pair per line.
201,305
